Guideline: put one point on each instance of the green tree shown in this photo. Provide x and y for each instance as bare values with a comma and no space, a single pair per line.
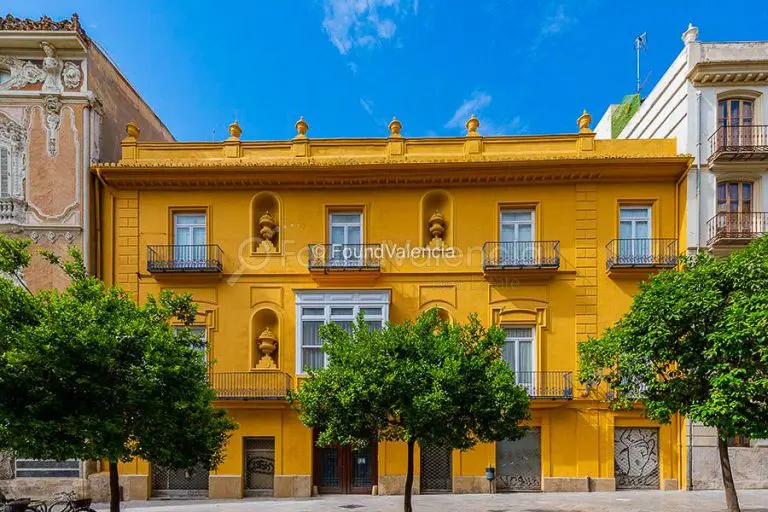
86,373
694,342
426,381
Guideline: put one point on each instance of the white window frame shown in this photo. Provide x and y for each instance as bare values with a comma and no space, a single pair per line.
328,300
635,249
530,386
517,223
635,220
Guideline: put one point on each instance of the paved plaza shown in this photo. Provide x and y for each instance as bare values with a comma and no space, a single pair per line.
630,501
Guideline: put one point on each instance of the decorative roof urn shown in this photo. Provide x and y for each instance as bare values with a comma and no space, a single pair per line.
267,231
437,229
267,345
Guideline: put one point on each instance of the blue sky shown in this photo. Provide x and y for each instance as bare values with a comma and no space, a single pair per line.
348,66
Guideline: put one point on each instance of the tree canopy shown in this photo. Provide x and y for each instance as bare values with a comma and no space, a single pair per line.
426,381
694,342
87,373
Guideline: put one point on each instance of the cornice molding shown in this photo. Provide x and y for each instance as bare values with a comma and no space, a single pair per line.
748,72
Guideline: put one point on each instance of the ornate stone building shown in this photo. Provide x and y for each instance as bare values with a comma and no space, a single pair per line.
63,106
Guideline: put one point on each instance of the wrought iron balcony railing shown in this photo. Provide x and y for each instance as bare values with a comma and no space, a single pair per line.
521,255
740,142
359,257
734,226
641,252
547,384
184,258
263,385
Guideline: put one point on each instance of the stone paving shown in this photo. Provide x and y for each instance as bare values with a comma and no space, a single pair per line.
630,501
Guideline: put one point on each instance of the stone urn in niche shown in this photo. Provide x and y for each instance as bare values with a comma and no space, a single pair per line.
267,346
437,230
267,231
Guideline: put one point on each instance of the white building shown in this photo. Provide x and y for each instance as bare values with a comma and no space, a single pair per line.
714,100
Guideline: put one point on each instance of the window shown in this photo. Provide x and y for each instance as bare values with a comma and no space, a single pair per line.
735,112
734,197
5,75
33,468
189,238
519,353
516,230
314,309
735,117
634,234
5,172
346,237
201,333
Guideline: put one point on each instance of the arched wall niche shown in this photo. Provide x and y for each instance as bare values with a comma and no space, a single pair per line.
267,215
437,219
266,340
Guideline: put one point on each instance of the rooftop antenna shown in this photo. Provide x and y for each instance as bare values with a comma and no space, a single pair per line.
641,43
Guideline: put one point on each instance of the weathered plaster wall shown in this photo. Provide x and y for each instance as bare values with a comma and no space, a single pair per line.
121,104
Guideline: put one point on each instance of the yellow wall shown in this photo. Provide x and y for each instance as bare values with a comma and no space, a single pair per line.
576,201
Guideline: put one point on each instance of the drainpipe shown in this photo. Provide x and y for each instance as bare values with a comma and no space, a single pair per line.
698,170
87,186
689,424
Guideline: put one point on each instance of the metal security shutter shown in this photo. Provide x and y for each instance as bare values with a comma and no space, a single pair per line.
259,466
636,458
435,470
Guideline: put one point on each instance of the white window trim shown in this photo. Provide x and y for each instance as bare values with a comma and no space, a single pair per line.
516,339
517,223
346,225
341,298
649,219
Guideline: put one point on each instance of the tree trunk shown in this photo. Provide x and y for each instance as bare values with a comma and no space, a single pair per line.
407,507
731,499
114,488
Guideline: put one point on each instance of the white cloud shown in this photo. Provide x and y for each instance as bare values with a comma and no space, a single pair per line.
514,126
477,103
359,23
472,105
367,106
556,22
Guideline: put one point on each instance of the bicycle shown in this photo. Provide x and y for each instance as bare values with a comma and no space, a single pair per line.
68,502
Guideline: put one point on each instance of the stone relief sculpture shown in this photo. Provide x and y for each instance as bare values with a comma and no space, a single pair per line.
71,75
54,73
52,67
52,122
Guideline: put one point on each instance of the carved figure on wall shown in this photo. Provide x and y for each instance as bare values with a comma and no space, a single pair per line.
52,67
52,122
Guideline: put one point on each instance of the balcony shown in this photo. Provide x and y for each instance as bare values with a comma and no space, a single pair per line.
501,256
735,228
345,257
641,253
12,211
547,385
184,258
739,143
262,385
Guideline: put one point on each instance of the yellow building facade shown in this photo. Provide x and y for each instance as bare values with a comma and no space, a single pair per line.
545,236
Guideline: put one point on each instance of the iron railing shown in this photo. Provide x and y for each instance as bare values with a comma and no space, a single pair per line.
521,255
641,252
546,384
184,258
740,141
736,226
250,385
345,257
